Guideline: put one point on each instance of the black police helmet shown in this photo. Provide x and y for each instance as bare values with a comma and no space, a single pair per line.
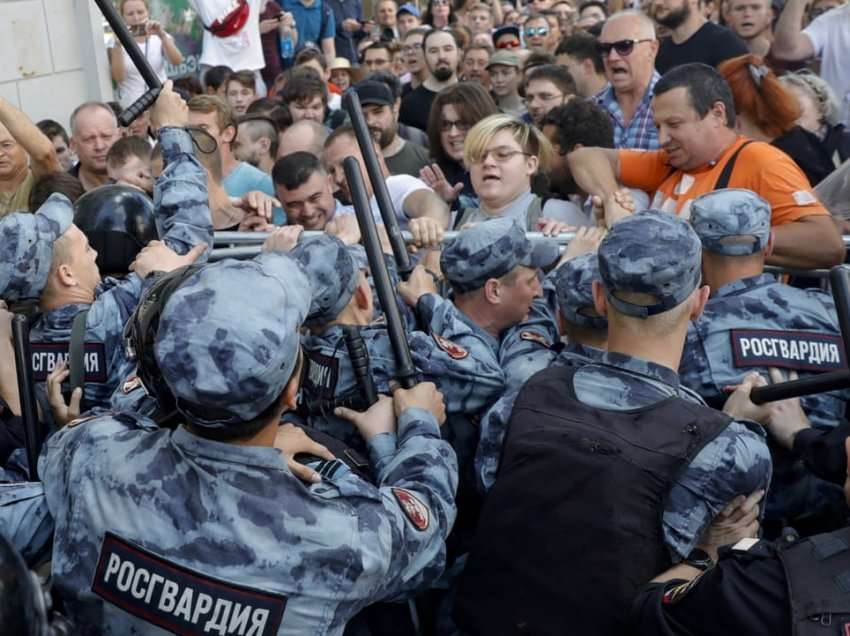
118,221
22,609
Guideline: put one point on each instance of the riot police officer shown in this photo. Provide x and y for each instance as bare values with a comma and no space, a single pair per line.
205,527
752,322
45,256
610,470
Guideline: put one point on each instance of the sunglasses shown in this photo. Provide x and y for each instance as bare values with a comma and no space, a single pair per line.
508,44
623,47
532,31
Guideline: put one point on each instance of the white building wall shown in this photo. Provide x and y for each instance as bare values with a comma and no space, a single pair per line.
52,56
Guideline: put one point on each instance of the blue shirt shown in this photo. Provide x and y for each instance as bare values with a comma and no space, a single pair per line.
246,178
640,132
315,23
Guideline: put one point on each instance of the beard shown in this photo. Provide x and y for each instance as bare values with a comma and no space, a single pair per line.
675,18
442,74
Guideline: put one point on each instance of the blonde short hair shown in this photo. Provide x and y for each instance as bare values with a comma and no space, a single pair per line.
529,138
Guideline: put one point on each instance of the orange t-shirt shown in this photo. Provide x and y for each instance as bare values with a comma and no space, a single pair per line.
760,167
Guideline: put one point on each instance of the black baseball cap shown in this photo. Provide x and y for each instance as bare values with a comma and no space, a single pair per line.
373,92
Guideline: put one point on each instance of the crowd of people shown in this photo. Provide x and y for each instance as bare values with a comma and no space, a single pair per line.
235,446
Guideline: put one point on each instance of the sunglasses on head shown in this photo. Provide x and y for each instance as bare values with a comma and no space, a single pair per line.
532,31
623,47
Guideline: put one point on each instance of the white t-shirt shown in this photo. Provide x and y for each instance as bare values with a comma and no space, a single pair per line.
133,86
399,186
830,37
240,52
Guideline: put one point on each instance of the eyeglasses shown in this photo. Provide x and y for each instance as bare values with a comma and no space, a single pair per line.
543,97
502,154
508,44
439,3
530,32
446,126
623,47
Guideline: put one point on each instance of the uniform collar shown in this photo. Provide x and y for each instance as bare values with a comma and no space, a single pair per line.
639,366
744,284
254,456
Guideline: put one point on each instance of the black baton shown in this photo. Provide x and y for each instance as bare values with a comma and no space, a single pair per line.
405,371
839,280
359,357
34,432
351,103
139,61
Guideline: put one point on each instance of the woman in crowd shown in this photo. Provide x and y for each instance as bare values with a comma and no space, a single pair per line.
767,111
156,45
455,110
503,154
820,112
439,14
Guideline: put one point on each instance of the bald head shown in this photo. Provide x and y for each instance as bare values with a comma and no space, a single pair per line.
303,136
630,65
94,129
635,22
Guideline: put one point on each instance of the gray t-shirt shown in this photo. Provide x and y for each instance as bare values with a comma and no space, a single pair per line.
409,160
564,211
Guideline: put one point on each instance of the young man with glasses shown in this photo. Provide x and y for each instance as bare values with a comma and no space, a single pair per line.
628,48
692,37
546,87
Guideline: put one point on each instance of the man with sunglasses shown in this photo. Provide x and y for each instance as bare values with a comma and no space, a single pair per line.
628,47
540,37
692,37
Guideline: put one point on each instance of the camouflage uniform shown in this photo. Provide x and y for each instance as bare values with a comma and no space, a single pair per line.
658,254
446,351
180,198
534,345
755,323
200,536
492,249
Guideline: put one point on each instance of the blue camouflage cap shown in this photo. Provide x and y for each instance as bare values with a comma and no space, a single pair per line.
492,249
333,271
26,247
228,338
574,290
651,252
732,222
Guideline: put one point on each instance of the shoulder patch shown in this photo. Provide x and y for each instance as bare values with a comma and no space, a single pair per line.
45,356
416,511
455,351
678,592
800,350
533,336
178,599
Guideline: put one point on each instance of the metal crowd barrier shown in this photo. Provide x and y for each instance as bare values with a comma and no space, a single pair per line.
248,244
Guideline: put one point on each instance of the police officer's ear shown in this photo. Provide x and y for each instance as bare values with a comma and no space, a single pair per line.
290,391
771,239
492,291
600,302
363,295
698,299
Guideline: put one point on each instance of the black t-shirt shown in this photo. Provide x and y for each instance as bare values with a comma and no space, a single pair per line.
711,44
415,107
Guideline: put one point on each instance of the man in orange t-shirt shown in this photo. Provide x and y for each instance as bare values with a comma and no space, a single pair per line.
702,152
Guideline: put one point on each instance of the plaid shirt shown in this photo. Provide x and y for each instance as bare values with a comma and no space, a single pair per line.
640,132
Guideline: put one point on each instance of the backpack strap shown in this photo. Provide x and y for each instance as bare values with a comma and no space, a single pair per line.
723,179
77,350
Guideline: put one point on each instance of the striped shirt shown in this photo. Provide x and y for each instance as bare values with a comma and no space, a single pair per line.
640,132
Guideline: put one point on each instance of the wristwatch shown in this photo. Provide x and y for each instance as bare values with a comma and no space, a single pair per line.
699,559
